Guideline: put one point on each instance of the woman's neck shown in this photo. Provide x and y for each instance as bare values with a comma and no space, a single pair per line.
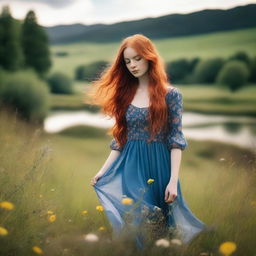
143,82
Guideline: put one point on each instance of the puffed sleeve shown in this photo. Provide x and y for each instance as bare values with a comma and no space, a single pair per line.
175,136
113,145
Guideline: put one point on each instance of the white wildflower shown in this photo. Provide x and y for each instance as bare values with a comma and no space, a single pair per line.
157,209
176,242
162,242
91,237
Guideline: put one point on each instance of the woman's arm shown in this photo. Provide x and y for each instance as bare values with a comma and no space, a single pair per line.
111,158
175,140
176,154
171,188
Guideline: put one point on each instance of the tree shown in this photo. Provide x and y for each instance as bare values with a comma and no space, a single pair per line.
234,75
60,83
91,71
252,77
207,70
35,45
10,50
178,70
242,56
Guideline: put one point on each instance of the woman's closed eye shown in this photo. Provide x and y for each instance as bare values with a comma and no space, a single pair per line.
137,59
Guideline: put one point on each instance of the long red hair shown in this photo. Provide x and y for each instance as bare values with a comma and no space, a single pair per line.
116,88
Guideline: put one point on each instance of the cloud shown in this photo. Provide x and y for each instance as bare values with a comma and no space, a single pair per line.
52,3
77,12
55,12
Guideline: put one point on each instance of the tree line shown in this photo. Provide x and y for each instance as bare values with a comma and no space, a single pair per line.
25,62
23,45
233,72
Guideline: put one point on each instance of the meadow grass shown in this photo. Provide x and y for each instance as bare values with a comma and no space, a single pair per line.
42,172
216,44
214,99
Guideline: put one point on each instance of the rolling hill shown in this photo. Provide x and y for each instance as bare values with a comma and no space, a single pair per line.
168,26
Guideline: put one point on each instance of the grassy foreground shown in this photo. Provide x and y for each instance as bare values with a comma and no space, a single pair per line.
47,177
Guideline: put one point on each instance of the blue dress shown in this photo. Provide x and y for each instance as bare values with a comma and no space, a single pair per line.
140,161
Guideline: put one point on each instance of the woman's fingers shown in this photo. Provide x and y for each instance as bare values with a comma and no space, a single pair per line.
94,180
170,198
167,193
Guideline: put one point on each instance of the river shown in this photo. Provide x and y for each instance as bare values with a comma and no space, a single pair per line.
240,131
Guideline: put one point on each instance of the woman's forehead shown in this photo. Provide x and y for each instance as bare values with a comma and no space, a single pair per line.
130,52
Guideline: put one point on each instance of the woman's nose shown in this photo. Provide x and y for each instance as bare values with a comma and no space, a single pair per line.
133,64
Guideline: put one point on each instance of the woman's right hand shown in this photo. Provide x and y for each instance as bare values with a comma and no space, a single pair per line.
95,178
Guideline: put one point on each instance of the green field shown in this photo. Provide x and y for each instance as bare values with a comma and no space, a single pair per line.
210,99
41,172
197,98
217,44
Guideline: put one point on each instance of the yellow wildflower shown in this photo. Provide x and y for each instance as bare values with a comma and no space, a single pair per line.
99,208
227,248
52,218
7,205
127,201
49,212
150,181
3,231
102,228
37,250
84,212
40,196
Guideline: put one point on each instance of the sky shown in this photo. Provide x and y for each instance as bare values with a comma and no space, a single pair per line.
57,12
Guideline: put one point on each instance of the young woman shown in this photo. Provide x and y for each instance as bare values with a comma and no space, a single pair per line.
141,175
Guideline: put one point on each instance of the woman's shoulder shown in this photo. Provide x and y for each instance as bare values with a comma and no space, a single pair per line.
172,91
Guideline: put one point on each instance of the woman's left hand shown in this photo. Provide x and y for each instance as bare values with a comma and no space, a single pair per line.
170,192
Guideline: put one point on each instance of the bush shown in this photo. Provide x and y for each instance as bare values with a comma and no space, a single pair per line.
90,72
206,71
61,54
25,93
250,62
234,75
60,83
180,70
252,77
242,56
2,76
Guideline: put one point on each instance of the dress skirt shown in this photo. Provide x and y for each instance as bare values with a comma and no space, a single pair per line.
128,177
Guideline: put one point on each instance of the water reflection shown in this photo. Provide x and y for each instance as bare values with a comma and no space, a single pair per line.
229,129
232,127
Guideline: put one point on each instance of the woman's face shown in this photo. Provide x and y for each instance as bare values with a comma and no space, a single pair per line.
137,65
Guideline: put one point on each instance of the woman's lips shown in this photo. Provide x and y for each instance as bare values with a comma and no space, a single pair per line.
135,71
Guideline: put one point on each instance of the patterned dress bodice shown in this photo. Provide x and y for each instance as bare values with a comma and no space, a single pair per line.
138,124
